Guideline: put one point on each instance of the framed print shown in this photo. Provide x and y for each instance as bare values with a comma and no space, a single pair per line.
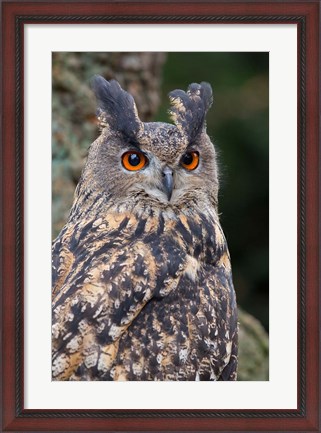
280,40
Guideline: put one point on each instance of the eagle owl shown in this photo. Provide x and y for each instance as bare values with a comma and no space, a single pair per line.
141,273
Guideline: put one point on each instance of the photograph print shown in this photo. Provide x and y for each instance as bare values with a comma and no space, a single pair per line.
160,216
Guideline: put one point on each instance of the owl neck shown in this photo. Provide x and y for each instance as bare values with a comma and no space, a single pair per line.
91,204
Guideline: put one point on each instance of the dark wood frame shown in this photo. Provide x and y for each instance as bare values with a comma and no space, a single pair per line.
306,14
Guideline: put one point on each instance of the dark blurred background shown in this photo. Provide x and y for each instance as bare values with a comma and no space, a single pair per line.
238,124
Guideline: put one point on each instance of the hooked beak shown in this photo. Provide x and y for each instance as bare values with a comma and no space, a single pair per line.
168,182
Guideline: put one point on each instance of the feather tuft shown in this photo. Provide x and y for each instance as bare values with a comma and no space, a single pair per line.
116,108
188,109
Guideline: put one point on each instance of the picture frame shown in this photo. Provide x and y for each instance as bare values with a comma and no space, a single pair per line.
15,15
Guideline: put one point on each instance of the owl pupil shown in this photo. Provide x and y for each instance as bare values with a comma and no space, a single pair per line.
134,159
187,159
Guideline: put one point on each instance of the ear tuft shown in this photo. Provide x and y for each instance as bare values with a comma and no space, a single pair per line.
189,108
116,107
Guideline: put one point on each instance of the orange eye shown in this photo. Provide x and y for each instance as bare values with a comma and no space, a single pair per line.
134,160
190,160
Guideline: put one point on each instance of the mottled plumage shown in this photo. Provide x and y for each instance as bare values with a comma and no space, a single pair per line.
142,282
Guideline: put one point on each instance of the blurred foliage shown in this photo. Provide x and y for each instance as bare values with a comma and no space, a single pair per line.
253,355
238,124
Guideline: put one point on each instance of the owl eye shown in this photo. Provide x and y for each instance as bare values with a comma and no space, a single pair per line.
190,160
134,160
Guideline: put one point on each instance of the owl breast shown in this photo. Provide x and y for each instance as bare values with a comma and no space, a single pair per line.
146,298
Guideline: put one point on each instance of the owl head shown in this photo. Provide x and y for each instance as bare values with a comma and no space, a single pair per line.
157,164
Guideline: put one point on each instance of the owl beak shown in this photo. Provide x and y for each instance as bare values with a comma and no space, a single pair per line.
168,181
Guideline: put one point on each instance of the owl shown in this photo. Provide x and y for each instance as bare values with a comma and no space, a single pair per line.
141,272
